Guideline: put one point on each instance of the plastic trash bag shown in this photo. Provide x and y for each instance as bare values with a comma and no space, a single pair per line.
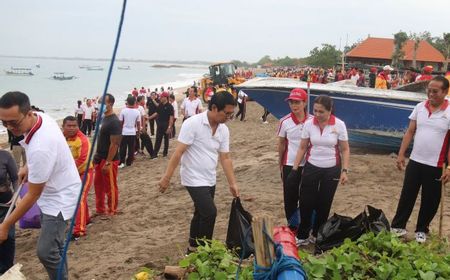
32,218
239,234
337,228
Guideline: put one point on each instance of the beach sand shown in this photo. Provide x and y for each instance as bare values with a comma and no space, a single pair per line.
152,228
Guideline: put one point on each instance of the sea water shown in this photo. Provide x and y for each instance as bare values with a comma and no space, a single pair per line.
59,98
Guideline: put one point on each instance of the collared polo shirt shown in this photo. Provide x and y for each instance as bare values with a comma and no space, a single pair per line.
432,134
50,161
290,128
130,117
199,161
323,150
80,147
191,107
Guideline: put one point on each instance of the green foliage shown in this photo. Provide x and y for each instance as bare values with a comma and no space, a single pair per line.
400,39
214,261
381,257
326,56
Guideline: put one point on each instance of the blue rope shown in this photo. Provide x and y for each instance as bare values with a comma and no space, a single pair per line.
281,264
91,154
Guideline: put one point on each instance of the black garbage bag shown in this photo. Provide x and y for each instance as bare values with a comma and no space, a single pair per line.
239,234
336,229
376,221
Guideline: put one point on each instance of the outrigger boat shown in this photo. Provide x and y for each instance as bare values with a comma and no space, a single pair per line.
124,67
94,68
373,117
15,71
61,77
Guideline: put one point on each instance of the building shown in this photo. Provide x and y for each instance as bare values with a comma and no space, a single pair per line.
378,51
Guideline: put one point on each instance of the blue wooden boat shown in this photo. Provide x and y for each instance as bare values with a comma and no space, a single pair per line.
374,117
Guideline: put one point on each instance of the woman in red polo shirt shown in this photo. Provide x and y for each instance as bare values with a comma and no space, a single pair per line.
289,136
324,141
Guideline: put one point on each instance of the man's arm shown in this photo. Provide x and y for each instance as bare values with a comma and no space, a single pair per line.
171,166
407,138
83,154
227,165
113,147
281,149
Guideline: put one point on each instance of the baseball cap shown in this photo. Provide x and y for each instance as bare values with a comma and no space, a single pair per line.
165,94
297,94
388,67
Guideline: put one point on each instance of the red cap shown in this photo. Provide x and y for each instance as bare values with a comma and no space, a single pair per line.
428,69
165,94
297,94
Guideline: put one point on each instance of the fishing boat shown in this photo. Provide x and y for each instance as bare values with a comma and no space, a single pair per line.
15,71
84,66
61,77
373,117
94,68
124,67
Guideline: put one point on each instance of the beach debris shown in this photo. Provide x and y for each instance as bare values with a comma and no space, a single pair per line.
144,273
13,273
174,272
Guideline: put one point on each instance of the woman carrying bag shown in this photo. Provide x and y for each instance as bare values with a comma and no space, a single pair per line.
324,141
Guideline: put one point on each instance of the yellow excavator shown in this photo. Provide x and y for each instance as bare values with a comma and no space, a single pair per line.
220,74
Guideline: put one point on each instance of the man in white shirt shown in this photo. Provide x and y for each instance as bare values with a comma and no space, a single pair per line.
203,140
242,103
88,112
131,119
191,105
51,174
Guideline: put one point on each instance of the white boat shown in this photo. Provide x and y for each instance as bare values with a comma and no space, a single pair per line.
83,66
94,68
61,77
16,71
124,67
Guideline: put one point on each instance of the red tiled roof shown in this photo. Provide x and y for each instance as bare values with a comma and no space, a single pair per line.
382,48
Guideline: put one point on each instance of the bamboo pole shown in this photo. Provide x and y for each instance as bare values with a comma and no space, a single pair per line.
264,249
441,212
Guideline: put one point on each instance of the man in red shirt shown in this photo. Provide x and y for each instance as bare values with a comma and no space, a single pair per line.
135,92
80,147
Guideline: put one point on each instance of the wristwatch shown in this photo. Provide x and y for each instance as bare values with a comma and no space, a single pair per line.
345,170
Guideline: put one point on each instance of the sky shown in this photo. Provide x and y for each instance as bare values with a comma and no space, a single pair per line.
207,30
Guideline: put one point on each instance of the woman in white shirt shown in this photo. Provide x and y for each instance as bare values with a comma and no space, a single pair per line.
324,141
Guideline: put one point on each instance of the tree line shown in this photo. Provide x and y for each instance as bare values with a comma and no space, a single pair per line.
327,55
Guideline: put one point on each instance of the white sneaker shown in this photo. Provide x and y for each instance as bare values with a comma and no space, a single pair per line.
421,237
266,122
301,242
122,165
399,231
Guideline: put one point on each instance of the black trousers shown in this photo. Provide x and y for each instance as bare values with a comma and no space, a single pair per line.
174,131
152,126
8,247
160,134
205,212
419,175
127,144
80,120
146,142
265,114
87,127
291,197
316,193
242,109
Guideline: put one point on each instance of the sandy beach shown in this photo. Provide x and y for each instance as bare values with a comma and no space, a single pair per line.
152,228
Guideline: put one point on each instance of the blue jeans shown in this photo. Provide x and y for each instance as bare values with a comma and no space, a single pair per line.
51,244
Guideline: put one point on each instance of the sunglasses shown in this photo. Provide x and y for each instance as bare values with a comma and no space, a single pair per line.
13,124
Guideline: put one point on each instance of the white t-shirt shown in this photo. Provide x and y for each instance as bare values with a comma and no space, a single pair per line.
323,150
191,107
432,134
79,110
199,161
175,109
290,128
50,161
88,111
130,117
241,96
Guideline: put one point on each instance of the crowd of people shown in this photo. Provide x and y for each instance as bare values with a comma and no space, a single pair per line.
313,157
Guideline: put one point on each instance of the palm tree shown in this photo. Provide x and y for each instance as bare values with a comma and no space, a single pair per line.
400,39
417,38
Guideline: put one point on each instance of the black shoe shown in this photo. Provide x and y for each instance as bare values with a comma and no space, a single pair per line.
74,237
165,155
